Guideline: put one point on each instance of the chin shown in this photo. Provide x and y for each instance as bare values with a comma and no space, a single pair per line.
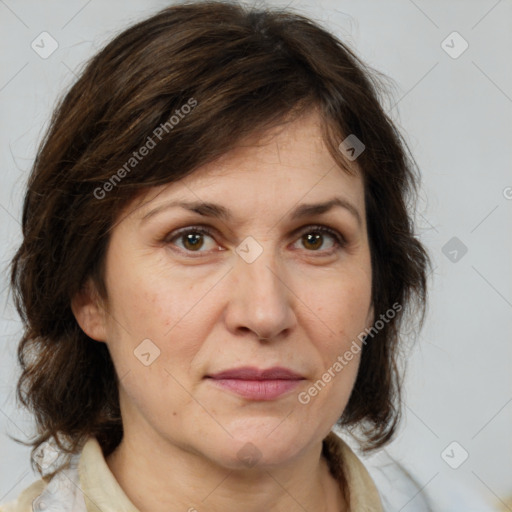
257,449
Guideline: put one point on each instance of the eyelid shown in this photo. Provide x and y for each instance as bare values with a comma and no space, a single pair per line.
339,239
322,228
180,231
177,233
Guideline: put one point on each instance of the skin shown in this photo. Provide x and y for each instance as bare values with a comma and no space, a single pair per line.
205,307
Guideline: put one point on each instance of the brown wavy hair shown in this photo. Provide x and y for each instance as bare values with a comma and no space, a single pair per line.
248,70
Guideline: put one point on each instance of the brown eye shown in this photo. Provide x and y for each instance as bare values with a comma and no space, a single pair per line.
314,237
192,239
313,241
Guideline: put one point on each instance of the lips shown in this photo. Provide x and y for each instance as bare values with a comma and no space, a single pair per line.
252,373
255,384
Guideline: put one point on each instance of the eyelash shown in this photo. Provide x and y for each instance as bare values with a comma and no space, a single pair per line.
339,240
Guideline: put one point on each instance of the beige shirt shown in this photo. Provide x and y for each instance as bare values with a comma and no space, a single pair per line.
88,485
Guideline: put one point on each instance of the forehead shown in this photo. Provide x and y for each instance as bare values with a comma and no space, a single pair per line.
271,170
294,144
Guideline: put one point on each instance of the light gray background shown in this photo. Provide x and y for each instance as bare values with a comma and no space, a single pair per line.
456,114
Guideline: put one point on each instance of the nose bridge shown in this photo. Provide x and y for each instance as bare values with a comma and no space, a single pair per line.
262,296
263,275
259,268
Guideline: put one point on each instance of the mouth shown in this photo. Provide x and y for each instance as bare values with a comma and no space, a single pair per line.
256,384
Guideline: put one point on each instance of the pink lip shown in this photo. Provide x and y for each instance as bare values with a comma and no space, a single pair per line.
256,384
253,373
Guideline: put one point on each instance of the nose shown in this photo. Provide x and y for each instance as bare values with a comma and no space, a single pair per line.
260,299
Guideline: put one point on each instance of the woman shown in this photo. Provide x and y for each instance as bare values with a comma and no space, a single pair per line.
217,258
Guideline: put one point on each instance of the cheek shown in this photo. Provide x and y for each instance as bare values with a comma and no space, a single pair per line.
343,306
145,299
341,315
170,311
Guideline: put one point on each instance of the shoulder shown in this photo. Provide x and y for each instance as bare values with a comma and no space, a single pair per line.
398,487
23,503
61,492
57,491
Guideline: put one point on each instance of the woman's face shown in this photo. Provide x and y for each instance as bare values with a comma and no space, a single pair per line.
186,305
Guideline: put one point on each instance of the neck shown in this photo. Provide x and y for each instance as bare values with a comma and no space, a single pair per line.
171,478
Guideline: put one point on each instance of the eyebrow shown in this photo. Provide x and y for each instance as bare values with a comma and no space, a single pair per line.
207,209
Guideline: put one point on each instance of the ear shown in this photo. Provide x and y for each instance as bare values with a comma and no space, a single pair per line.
89,312
370,319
